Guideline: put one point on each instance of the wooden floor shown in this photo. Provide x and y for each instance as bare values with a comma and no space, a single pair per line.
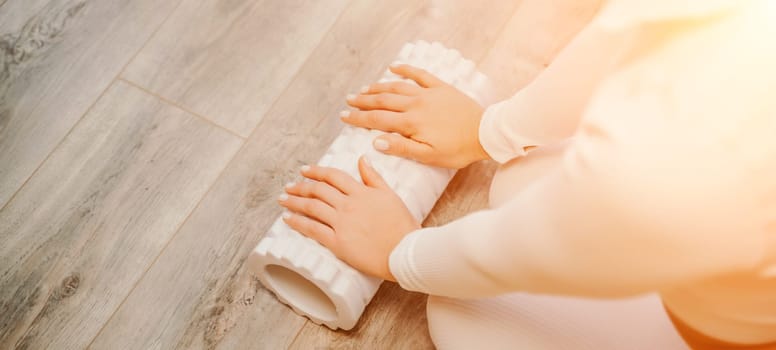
142,144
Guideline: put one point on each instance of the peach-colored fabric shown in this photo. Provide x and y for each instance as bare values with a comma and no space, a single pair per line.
698,341
668,183
527,321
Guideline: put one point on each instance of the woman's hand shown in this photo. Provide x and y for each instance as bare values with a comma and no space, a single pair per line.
434,122
359,223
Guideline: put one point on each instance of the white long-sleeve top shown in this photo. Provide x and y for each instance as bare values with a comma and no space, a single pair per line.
668,184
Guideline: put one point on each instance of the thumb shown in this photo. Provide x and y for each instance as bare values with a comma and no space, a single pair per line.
401,146
370,176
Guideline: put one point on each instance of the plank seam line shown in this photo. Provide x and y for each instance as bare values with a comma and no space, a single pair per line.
115,79
166,244
220,175
301,68
479,60
298,333
180,107
70,131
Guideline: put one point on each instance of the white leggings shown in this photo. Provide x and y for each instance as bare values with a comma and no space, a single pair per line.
527,321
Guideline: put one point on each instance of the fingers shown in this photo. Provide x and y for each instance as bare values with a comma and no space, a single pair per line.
386,101
370,176
380,120
420,76
310,207
335,177
316,189
403,147
394,87
321,233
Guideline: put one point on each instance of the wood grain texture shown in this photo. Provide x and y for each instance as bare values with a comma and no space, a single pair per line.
90,222
197,294
395,319
106,246
535,33
533,37
230,60
56,58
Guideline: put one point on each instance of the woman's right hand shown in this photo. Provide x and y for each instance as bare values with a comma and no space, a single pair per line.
431,122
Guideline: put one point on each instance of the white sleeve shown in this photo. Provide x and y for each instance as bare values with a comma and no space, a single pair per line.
657,189
610,222
550,108
668,181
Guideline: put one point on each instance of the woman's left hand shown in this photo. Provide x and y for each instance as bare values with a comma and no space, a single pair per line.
360,223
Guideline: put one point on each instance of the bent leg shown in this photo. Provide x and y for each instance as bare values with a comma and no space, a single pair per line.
526,321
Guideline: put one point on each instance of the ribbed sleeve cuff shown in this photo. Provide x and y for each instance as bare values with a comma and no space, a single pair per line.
493,138
444,261
402,264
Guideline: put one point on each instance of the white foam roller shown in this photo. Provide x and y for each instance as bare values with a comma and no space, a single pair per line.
307,276
326,160
421,47
463,70
406,50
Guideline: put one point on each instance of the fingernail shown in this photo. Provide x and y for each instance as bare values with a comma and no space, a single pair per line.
290,184
350,97
305,168
364,89
283,197
344,114
286,215
366,161
381,145
396,64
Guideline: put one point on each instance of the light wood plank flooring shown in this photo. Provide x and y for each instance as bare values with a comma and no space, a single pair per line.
142,144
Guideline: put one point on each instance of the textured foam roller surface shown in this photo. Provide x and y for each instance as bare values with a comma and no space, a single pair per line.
307,276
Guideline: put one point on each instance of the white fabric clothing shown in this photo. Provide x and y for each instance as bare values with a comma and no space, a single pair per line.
527,321
668,183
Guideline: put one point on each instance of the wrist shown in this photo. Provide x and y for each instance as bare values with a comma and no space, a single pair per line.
479,151
482,154
387,275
